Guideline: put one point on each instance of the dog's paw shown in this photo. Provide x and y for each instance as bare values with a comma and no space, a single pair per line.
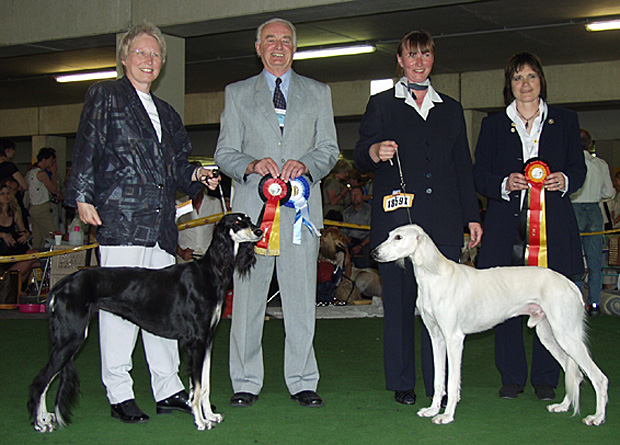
442,419
558,407
45,423
594,419
428,412
214,418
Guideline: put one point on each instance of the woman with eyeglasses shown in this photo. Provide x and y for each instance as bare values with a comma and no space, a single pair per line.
529,161
130,158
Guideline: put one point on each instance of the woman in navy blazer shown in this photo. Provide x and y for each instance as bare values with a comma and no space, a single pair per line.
528,128
428,130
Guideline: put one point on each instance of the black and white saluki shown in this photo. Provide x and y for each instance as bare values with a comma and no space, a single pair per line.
181,302
455,300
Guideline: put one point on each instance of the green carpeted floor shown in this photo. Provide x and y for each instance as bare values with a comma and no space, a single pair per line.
358,409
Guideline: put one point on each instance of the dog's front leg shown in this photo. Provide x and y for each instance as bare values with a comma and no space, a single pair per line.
204,416
439,361
454,346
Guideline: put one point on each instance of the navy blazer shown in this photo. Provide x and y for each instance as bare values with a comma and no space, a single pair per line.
121,168
498,154
436,164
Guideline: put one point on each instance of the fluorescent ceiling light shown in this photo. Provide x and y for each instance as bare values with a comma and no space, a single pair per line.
333,52
111,74
603,26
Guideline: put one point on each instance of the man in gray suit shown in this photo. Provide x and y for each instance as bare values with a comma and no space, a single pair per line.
288,136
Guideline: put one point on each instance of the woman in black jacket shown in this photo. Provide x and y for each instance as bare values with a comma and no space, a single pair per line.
531,152
414,130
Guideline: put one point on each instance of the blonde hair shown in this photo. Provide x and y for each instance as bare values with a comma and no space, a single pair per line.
12,207
145,28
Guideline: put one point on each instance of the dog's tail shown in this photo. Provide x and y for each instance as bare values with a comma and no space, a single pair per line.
67,395
37,390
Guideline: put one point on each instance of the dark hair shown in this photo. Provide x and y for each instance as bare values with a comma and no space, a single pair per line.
586,139
415,39
46,153
5,145
516,63
359,187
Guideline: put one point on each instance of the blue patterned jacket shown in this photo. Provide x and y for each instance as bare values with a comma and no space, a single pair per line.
120,167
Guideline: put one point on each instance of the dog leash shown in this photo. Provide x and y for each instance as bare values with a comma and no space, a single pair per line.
402,182
215,171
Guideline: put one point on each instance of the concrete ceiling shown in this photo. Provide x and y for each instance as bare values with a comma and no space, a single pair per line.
470,36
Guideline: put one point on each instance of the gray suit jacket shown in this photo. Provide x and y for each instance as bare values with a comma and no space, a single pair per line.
249,130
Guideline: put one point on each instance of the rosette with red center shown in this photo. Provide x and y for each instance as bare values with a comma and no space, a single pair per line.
536,171
272,191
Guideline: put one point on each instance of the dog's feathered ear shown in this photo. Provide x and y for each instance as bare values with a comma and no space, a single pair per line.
245,259
426,254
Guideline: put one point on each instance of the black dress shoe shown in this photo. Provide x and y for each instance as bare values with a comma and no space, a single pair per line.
594,310
405,397
510,391
544,392
308,398
129,412
243,399
178,401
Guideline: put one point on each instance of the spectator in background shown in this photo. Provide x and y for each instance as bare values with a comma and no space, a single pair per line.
615,204
356,178
195,241
586,203
358,213
8,170
13,234
335,191
40,189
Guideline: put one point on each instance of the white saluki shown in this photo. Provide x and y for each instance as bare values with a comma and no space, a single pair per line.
455,300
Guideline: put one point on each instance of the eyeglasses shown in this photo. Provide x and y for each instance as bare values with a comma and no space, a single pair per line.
145,54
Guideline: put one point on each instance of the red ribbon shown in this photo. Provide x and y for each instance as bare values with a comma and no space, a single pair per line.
272,190
536,172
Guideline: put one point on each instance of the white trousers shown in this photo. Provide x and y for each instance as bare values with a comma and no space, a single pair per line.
117,336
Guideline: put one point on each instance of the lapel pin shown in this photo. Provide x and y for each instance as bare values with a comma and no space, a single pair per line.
551,121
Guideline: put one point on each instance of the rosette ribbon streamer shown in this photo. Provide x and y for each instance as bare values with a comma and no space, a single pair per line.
300,192
536,171
272,191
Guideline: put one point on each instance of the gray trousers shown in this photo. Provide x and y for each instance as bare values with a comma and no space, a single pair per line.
296,273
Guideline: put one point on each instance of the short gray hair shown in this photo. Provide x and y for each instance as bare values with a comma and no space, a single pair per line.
259,31
136,31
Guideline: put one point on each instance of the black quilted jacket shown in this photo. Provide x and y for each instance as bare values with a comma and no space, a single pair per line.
120,167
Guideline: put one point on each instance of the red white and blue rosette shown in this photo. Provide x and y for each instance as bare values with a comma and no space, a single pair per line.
300,192
272,191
